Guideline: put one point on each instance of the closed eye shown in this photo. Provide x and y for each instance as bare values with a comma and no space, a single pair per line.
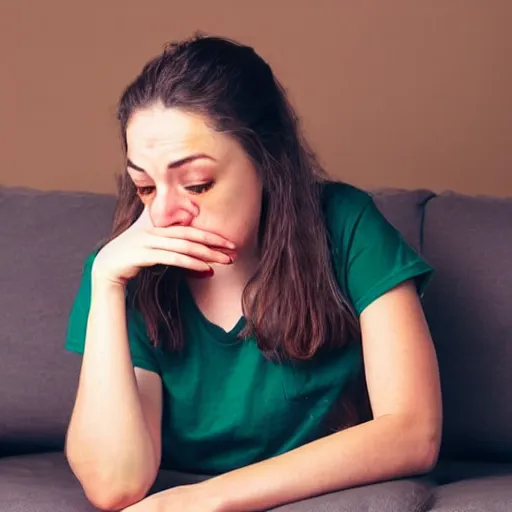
201,188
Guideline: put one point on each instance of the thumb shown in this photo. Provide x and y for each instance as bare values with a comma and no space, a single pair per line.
144,219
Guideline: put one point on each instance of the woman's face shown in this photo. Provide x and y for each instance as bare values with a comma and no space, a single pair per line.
189,174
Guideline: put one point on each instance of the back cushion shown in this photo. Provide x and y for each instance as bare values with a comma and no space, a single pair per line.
469,308
404,209
44,239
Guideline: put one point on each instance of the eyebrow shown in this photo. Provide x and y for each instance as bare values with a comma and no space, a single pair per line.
175,164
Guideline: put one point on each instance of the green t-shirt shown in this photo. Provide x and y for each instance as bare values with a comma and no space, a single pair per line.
225,405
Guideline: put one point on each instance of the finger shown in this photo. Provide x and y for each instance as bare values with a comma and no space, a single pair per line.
152,257
194,235
182,246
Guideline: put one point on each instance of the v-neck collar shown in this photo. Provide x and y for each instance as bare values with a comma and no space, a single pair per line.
216,331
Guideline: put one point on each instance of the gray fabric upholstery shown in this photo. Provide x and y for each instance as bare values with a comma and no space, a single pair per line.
397,496
44,238
404,209
468,240
450,471
492,494
40,483
45,483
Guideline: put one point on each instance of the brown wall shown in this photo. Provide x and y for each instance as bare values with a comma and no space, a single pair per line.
391,93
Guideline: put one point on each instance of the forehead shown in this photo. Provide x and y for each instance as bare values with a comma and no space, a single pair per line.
157,129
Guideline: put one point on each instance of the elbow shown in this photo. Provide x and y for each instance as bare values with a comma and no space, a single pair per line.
108,497
426,458
427,449
108,486
113,502
111,489
420,442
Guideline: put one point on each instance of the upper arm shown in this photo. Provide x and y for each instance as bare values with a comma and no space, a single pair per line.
150,394
384,280
384,277
399,357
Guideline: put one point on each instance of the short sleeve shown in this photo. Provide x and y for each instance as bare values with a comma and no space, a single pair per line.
378,259
142,352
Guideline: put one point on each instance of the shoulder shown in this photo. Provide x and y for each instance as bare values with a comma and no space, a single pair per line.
338,194
343,205
370,256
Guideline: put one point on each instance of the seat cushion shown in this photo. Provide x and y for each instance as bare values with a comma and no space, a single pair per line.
492,494
40,483
45,483
406,495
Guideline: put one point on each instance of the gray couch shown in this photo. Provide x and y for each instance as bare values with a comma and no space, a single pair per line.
44,238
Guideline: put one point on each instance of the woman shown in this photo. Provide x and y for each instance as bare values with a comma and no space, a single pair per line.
226,320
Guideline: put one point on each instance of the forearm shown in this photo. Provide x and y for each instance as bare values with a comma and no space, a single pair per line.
108,443
381,449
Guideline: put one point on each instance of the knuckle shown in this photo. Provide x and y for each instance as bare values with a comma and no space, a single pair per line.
181,245
173,259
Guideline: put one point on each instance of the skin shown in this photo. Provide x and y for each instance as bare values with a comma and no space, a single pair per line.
401,369
204,193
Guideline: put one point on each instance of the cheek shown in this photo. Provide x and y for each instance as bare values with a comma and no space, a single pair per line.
235,216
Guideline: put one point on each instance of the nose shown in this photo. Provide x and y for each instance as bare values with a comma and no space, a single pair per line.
170,209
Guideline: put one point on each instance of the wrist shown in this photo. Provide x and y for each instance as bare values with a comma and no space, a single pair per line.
101,276
101,282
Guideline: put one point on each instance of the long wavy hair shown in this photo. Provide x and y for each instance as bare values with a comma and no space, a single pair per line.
292,304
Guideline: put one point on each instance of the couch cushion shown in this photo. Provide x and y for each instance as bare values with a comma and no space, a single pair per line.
400,495
404,209
44,238
493,494
42,483
468,240
450,471
45,483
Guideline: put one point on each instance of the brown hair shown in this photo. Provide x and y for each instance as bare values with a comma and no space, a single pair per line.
292,304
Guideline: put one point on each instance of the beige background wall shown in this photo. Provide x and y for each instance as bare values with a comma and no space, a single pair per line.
391,93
